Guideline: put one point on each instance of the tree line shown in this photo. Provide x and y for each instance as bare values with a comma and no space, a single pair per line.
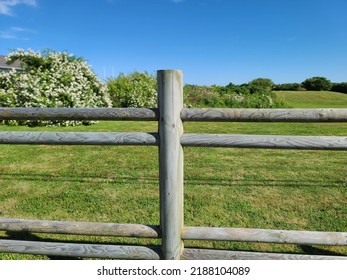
314,83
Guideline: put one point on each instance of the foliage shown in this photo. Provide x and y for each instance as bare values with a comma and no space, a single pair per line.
231,96
262,82
134,90
339,87
139,90
317,83
288,86
51,79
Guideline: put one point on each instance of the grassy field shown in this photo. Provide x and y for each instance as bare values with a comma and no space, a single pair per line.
272,189
314,99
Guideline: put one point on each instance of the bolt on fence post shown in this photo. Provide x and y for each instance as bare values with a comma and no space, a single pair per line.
170,104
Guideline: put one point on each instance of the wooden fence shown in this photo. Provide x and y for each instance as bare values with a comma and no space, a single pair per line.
170,139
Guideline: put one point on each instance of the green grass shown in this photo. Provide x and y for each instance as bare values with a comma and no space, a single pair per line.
253,188
314,99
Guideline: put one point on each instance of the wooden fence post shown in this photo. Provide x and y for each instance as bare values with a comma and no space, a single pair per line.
170,104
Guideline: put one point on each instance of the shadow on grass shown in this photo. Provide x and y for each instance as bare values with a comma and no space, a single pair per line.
197,181
312,250
263,183
79,178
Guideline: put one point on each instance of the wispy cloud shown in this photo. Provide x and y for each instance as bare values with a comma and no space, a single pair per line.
21,29
18,33
7,5
7,35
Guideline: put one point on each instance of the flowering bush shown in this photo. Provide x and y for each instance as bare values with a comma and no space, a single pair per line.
135,90
51,79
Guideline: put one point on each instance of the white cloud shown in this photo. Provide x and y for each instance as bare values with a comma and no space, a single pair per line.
7,5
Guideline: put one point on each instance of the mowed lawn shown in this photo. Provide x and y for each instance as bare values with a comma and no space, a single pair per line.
251,188
313,99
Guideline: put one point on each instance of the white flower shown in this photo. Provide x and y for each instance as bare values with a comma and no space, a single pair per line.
59,81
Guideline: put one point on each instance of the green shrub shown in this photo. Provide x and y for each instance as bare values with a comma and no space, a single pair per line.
339,87
136,90
51,79
263,83
317,83
231,96
288,86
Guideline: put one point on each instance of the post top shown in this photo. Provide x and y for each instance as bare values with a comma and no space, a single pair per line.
169,70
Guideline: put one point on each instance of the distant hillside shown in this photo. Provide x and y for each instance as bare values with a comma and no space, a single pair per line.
313,99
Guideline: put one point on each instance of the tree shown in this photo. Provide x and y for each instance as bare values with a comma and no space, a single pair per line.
51,79
317,83
340,87
288,86
262,82
134,90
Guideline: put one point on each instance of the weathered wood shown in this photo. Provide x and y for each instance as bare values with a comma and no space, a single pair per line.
79,138
264,115
265,235
207,115
79,250
120,114
79,228
206,254
170,98
265,141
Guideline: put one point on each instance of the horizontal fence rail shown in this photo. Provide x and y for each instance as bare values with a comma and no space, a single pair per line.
80,250
209,254
188,233
79,228
79,138
187,140
264,115
265,141
265,236
187,115
79,114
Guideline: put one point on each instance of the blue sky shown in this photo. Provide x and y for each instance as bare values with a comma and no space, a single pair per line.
212,41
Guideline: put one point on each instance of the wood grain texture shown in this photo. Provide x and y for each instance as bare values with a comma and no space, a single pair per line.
206,254
79,228
170,99
79,138
152,114
265,235
265,141
120,114
80,250
264,115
